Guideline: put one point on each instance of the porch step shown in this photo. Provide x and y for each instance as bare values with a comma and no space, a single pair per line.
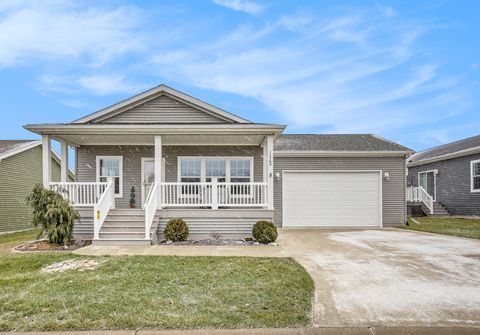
438,210
121,229
121,241
122,234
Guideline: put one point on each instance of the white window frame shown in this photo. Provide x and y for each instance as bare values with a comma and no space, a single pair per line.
471,176
120,183
435,172
203,164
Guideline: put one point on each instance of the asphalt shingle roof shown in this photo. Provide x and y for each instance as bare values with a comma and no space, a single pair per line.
10,145
335,142
446,149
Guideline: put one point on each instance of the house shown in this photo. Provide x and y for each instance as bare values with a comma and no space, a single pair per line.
20,170
449,178
220,172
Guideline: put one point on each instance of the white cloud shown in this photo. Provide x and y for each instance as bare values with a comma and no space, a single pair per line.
248,7
53,30
108,84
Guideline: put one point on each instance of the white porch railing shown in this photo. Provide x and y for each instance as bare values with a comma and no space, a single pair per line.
150,208
418,194
80,194
101,209
213,194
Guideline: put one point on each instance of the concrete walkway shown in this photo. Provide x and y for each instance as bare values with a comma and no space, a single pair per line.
387,277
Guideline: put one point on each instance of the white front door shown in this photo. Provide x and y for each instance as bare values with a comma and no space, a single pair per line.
428,181
148,175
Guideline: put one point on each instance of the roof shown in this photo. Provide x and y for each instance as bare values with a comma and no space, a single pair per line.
343,143
11,147
467,146
154,93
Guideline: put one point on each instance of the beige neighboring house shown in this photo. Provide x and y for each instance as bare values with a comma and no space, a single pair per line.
20,170
220,172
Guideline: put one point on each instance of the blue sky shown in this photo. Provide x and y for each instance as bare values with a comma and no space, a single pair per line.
406,70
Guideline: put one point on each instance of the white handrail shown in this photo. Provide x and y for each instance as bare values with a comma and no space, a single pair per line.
84,194
419,194
102,207
150,207
214,194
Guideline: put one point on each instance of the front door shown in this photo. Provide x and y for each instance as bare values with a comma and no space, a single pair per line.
428,181
148,175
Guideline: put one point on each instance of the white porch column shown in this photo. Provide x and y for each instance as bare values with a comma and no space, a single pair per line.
268,169
64,162
46,160
158,165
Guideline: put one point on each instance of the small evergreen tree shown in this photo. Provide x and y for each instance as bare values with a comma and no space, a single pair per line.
132,197
53,213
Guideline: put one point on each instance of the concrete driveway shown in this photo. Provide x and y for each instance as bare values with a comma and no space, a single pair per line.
389,277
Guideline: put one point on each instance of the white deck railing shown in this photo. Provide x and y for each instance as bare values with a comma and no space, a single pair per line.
213,194
418,194
80,194
102,207
150,208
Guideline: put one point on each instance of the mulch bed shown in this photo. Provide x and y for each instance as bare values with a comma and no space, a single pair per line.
43,245
217,243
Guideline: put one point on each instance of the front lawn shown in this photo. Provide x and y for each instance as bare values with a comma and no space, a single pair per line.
8,241
139,292
447,226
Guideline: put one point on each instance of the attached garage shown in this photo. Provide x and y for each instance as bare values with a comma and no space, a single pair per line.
332,198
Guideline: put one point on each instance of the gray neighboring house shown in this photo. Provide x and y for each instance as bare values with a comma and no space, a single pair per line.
20,170
220,172
450,174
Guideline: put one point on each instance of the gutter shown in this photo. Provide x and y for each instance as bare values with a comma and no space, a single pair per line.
341,153
461,153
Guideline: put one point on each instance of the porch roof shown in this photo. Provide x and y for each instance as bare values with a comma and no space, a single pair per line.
173,134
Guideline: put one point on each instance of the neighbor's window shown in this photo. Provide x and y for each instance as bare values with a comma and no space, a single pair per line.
111,166
475,175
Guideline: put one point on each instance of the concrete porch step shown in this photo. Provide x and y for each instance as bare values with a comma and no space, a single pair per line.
123,223
120,242
122,229
122,235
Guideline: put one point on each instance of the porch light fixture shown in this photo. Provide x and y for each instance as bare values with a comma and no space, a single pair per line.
277,175
387,176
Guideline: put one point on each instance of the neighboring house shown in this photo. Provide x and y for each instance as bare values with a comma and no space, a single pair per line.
450,175
20,170
220,172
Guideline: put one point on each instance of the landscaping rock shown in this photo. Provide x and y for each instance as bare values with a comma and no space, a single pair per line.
86,264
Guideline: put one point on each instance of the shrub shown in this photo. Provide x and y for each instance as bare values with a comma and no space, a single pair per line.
53,213
176,230
264,232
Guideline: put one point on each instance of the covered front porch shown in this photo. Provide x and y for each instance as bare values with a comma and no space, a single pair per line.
217,170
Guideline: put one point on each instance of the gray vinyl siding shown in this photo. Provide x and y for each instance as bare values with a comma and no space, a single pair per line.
393,190
18,175
453,184
132,155
163,110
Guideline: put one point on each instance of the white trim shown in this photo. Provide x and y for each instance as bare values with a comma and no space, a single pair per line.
154,93
435,172
120,183
227,160
340,153
143,160
472,190
19,149
460,153
380,204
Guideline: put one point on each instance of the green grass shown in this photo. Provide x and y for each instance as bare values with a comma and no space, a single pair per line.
142,292
8,241
447,226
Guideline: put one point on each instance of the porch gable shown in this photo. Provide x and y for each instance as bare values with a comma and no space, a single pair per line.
161,105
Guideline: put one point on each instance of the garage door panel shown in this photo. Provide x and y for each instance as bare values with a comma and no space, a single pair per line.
332,198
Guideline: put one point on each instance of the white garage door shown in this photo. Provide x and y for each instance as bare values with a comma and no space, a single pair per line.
332,199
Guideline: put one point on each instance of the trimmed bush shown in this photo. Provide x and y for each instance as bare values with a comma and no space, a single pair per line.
264,232
176,230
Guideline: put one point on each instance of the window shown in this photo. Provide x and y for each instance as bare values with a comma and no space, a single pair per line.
225,169
111,166
475,174
240,171
190,171
215,169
